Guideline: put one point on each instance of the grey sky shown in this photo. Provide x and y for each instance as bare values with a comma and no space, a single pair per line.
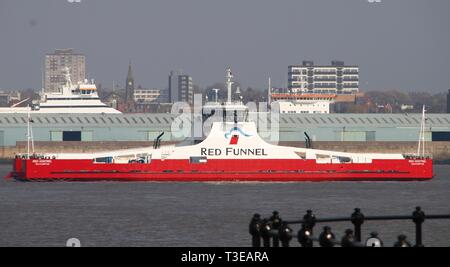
398,44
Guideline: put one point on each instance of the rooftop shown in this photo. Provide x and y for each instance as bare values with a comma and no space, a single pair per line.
286,120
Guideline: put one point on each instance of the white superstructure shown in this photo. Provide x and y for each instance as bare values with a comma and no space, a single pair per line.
79,98
305,107
336,78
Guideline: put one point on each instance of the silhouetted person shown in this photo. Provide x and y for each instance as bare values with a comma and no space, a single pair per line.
254,228
285,234
276,221
348,239
402,242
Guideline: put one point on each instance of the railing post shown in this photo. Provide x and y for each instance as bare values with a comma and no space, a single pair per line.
326,238
285,234
374,240
276,221
348,239
254,229
265,232
305,233
280,230
304,237
309,221
402,242
357,219
418,218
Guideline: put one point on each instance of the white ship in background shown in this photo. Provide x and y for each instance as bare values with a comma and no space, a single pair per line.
72,98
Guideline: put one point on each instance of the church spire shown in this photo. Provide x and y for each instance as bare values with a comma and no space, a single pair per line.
129,88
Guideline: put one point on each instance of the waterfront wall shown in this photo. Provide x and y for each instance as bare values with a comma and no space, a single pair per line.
439,150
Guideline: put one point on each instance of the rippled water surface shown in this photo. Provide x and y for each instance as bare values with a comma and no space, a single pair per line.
204,214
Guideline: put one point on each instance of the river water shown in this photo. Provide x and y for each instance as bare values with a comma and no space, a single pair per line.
206,214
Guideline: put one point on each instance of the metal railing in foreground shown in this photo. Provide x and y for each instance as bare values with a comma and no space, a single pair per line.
279,231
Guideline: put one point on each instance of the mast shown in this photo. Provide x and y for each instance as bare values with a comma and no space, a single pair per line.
43,85
28,133
31,136
269,93
421,145
230,82
216,94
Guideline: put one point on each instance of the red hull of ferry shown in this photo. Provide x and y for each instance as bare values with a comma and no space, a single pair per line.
264,170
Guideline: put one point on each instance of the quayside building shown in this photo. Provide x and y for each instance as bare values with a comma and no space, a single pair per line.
146,127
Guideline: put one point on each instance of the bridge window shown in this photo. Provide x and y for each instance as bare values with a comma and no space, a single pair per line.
104,160
59,136
440,136
71,136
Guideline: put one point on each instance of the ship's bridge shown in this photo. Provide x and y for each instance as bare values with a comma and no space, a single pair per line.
87,89
233,110
226,112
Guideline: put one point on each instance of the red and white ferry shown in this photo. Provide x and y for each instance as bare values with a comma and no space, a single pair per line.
233,151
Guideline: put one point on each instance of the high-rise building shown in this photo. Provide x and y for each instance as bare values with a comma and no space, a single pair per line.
163,96
336,78
55,65
186,88
181,88
173,87
448,102
129,86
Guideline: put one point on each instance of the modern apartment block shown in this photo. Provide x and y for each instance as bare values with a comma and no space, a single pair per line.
336,78
142,95
181,88
55,65
186,88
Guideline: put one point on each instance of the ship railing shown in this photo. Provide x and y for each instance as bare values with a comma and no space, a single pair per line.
417,157
35,156
273,231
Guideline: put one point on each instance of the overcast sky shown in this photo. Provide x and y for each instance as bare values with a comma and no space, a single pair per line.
398,44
